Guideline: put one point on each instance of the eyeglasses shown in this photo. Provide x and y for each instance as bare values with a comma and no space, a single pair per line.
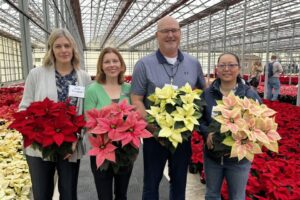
166,31
230,66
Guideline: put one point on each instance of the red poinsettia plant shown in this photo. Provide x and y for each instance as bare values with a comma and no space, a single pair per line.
49,126
116,132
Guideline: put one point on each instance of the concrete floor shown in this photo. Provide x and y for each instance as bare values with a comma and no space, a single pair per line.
86,189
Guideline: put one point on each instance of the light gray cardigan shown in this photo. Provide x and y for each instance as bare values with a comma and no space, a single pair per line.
41,83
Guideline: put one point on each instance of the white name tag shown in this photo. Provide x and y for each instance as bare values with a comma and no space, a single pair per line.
175,87
214,113
76,91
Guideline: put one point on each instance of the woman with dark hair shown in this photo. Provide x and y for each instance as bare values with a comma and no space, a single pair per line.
216,168
109,87
60,70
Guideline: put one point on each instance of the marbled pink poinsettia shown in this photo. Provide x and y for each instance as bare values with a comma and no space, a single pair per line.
247,125
230,120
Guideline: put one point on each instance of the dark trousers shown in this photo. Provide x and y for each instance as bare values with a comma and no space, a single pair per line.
104,182
42,178
155,158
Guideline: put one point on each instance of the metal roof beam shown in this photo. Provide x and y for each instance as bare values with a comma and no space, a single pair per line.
166,12
211,10
124,7
77,14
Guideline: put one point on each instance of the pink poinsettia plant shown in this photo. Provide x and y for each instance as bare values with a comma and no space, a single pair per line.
245,126
115,135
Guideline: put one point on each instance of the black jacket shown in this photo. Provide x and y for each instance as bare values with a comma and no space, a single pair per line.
210,95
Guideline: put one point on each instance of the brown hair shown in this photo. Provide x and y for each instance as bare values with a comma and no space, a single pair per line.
49,58
100,76
273,57
257,63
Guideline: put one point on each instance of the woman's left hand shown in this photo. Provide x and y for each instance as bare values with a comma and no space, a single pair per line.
74,145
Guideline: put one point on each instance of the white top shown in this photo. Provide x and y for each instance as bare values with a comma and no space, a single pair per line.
171,60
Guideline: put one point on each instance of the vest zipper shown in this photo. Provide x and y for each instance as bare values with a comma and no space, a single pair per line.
222,160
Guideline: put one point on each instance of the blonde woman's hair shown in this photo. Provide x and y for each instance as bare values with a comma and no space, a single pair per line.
49,58
100,76
257,63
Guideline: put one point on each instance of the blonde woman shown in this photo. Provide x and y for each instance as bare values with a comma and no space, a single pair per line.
256,70
61,68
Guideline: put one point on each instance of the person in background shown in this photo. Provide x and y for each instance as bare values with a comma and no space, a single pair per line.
61,69
109,87
216,168
274,71
168,65
256,70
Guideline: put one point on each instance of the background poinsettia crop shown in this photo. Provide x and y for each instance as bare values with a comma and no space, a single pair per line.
9,101
14,175
283,79
288,93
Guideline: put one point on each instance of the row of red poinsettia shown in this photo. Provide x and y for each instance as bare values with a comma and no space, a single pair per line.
283,79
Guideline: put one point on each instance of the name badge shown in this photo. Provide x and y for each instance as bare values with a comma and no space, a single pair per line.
214,113
175,87
76,91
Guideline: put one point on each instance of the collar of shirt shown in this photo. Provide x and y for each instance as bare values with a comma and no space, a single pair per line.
68,76
162,60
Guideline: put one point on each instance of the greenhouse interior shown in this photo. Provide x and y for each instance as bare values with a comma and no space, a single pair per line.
254,30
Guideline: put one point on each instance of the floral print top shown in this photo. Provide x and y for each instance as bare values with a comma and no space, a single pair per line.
62,84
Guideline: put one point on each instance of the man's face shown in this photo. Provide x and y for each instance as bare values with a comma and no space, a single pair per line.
168,36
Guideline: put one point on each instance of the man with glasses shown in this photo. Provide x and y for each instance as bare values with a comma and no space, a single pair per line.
167,66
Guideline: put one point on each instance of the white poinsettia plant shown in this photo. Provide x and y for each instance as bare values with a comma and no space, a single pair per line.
175,113
15,180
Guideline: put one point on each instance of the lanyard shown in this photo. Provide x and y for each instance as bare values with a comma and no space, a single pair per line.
171,76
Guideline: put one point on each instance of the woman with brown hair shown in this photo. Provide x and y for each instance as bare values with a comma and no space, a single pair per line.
109,87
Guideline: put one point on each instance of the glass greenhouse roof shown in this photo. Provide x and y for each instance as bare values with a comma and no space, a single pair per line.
131,24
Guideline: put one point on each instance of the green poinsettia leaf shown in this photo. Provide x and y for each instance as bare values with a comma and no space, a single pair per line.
65,148
105,165
214,126
178,101
170,108
229,141
49,153
219,102
199,102
150,119
197,115
179,125
186,135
